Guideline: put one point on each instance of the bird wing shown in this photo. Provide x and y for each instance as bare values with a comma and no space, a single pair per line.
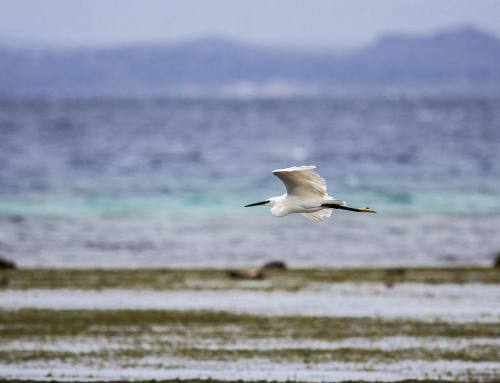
302,181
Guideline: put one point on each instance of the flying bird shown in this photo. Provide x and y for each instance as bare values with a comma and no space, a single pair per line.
306,194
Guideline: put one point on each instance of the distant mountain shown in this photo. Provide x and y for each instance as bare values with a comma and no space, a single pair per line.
459,60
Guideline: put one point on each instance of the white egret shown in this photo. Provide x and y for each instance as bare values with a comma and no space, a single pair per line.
306,194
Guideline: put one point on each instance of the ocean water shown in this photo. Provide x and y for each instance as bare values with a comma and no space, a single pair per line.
150,183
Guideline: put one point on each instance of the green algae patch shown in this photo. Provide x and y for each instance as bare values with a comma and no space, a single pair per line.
214,279
304,355
310,355
223,326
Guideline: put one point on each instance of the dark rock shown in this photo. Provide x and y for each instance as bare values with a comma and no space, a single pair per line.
252,273
274,265
496,261
6,264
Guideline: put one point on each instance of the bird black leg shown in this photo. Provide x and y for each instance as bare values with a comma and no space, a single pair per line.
336,206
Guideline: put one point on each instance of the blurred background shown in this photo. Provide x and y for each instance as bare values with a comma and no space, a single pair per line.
133,132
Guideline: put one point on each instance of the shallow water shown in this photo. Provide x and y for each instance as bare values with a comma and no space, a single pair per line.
256,370
448,303
229,241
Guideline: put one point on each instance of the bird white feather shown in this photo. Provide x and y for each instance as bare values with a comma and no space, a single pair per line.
318,216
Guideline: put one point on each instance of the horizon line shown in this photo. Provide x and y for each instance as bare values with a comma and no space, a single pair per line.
21,43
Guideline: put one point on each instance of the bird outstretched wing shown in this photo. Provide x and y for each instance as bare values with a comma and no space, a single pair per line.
302,181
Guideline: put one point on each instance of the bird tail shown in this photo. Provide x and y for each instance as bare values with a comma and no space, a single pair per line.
318,216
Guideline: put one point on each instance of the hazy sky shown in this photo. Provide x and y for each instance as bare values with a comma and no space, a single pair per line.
301,22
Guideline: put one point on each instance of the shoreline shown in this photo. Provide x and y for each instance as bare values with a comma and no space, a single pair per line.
208,279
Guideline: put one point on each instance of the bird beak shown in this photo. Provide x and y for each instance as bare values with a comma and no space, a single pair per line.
258,203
